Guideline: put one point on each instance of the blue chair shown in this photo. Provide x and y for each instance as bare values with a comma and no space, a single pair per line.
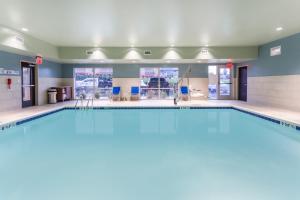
184,90
116,93
135,93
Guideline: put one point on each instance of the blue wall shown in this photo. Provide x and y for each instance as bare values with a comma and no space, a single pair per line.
133,70
286,64
11,61
51,70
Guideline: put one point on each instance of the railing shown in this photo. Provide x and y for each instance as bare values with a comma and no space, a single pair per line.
186,75
87,106
157,93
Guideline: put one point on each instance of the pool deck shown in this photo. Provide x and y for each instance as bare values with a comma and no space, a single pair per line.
288,116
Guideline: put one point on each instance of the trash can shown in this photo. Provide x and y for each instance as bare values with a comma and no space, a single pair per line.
52,96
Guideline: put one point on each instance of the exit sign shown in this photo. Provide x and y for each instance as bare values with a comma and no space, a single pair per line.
39,60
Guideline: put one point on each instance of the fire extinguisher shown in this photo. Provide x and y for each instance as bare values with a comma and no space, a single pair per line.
9,82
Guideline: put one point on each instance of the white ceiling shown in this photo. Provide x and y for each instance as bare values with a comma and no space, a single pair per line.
153,22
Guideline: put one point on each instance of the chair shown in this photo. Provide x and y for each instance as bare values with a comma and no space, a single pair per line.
116,94
135,93
184,90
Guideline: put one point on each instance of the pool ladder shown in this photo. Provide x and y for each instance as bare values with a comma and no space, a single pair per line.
186,76
87,106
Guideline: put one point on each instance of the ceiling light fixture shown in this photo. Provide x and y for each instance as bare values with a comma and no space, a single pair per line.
279,29
24,29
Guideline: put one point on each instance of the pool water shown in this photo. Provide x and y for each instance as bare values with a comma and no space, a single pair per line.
150,154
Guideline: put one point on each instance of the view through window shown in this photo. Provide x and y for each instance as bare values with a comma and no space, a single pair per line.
219,86
93,82
158,83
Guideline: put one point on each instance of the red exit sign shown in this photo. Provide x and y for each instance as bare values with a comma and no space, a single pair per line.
39,60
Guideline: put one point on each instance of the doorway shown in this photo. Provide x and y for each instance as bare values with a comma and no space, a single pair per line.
28,84
220,82
243,75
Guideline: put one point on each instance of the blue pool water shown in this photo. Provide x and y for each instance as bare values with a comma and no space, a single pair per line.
153,154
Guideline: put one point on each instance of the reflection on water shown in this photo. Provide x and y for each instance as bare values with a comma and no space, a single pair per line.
149,154
147,122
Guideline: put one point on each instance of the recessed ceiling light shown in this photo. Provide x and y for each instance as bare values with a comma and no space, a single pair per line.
24,29
279,29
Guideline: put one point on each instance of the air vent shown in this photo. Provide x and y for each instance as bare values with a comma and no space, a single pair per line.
147,52
19,39
89,52
204,52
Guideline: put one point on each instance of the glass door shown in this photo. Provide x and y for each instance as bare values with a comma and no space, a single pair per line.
225,83
220,82
213,88
28,84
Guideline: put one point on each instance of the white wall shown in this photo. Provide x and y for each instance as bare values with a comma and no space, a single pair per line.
10,98
43,85
198,84
279,91
126,84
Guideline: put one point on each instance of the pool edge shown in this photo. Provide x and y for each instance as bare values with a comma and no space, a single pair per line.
237,108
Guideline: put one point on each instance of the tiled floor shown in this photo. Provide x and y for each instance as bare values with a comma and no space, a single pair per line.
273,112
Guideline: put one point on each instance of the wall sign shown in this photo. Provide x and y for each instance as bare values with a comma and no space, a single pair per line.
8,72
275,51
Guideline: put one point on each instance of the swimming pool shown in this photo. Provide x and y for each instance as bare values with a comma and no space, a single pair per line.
149,154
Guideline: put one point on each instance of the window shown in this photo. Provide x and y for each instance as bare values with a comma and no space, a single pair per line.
104,82
158,83
84,82
93,82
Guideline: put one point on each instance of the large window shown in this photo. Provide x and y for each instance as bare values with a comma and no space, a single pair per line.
93,82
158,83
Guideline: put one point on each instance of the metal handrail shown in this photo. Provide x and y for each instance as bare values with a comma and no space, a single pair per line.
180,82
88,103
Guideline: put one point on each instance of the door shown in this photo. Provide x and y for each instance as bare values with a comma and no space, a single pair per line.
213,82
243,83
28,84
220,82
225,83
